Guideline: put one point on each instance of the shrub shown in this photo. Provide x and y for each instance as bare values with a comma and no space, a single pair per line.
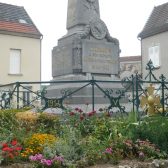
48,123
155,130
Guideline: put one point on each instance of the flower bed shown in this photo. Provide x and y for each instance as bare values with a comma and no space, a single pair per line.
79,139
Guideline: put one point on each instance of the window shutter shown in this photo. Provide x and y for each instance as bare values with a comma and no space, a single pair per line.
153,54
15,61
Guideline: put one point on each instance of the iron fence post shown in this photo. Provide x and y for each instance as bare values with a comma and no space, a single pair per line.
133,96
17,93
163,86
137,96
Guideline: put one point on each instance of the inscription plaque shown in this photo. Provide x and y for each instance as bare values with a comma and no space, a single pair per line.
100,57
53,103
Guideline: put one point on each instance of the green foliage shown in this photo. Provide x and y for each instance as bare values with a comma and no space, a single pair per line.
132,117
70,145
155,130
48,123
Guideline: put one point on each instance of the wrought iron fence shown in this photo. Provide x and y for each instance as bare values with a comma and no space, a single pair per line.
135,93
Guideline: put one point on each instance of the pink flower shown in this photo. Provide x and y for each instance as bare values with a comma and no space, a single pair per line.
32,158
108,150
46,162
36,157
39,156
59,158
141,156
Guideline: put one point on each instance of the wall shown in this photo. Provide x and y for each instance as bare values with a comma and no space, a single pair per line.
30,58
162,40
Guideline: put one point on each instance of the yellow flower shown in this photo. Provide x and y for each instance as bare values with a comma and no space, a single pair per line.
36,143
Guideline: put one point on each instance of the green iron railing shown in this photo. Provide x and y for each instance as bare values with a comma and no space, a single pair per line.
133,85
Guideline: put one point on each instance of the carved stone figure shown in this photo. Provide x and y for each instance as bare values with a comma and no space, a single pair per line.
77,54
92,7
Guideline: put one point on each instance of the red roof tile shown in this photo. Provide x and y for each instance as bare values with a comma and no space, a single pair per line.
18,27
130,58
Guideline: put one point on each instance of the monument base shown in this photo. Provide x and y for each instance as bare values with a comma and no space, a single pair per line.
77,93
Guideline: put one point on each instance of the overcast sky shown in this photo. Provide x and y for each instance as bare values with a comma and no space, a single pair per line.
124,18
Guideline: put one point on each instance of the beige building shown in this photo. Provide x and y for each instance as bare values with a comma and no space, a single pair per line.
154,41
20,46
20,43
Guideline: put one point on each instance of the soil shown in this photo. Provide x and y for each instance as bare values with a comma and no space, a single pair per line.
130,163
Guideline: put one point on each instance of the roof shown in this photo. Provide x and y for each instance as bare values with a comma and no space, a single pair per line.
130,58
15,20
157,22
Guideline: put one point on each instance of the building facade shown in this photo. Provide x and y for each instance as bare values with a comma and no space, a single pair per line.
154,41
130,65
20,51
20,43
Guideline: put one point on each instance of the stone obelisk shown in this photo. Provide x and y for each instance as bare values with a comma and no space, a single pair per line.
87,49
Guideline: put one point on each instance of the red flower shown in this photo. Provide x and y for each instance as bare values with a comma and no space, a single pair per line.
76,109
18,148
7,149
90,114
80,110
10,155
4,145
81,117
14,142
71,113
94,112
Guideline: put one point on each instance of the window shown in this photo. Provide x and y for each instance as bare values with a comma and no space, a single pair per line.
22,21
14,65
153,54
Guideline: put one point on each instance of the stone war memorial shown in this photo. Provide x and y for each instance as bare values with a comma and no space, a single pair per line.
86,51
